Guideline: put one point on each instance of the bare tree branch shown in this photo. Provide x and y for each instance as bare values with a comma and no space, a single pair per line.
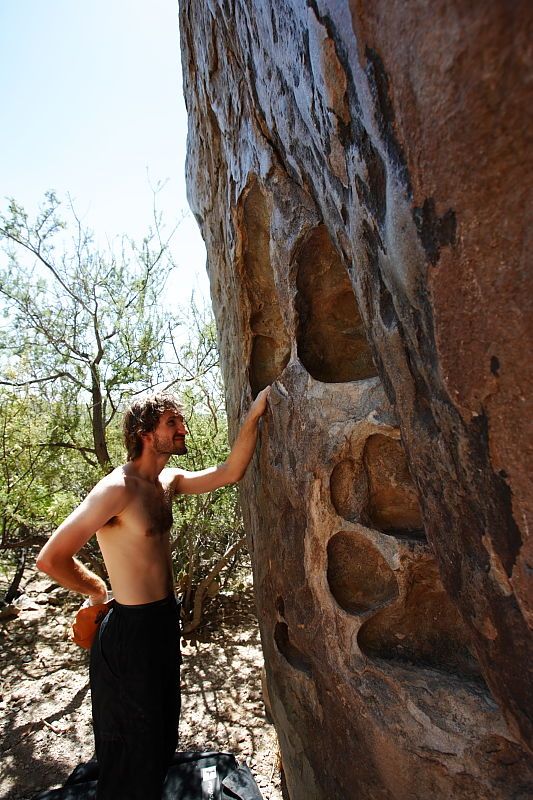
201,591
46,379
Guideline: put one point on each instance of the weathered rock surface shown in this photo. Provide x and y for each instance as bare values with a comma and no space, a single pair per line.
359,172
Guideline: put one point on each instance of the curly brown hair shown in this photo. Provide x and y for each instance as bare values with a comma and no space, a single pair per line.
142,416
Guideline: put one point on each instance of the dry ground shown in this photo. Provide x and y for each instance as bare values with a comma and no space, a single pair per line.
45,715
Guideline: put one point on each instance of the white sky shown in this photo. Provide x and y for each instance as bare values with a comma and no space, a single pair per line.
91,98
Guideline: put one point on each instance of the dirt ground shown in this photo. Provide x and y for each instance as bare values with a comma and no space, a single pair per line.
45,711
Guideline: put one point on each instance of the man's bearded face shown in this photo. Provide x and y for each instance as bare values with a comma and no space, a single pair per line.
169,435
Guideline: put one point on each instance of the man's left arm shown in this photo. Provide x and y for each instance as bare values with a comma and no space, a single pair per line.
232,470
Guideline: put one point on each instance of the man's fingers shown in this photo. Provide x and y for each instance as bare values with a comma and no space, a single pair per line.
262,397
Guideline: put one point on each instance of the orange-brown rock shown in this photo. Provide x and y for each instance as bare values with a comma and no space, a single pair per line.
360,171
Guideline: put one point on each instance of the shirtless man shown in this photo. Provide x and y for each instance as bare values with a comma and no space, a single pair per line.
134,669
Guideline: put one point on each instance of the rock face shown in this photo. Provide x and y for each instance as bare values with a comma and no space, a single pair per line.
358,170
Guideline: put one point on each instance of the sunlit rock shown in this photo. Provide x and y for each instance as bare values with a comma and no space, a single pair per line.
359,174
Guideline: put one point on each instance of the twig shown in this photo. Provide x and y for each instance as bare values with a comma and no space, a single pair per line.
57,731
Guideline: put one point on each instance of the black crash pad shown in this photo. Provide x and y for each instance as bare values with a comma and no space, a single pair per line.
191,776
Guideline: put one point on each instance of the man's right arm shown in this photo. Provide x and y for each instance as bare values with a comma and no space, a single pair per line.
106,500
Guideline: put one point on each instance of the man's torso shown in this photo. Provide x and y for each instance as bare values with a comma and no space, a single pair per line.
135,544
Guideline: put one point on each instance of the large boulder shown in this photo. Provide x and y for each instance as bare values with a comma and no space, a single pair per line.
359,172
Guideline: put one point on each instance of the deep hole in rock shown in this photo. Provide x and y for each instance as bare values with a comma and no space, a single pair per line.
392,504
358,576
426,630
270,344
266,363
349,489
288,650
332,344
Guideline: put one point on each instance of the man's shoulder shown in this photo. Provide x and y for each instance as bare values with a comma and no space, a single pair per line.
168,473
112,492
169,477
114,482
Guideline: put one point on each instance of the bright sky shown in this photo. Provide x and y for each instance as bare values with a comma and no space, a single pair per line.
91,98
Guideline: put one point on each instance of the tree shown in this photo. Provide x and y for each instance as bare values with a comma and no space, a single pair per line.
81,322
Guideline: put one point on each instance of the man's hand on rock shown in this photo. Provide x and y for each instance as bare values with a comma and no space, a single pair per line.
259,405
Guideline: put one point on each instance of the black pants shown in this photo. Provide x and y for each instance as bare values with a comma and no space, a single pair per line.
135,691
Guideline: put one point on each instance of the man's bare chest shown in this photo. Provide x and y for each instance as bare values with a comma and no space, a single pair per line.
148,513
157,514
